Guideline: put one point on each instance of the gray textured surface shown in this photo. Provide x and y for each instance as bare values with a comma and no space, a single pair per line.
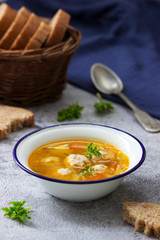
53,218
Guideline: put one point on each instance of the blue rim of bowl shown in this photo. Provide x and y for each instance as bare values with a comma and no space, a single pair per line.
78,182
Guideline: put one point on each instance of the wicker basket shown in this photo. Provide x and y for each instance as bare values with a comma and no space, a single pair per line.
36,76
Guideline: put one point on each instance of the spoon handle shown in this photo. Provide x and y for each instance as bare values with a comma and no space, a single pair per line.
147,122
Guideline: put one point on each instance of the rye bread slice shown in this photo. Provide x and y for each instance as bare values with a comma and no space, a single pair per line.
58,26
145,217
7,16
15,28
26,33
39,37
14,118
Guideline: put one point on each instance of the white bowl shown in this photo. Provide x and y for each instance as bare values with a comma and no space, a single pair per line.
80,190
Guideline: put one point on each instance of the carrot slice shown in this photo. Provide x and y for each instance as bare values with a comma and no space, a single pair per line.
113,165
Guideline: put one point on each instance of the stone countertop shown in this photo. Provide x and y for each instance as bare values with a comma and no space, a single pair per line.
55,219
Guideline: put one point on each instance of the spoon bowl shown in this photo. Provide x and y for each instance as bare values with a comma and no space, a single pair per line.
105,80
108,82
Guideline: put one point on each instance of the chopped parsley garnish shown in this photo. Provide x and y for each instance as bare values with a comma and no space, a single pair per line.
103,105
72,112
89,170
17,211
92,150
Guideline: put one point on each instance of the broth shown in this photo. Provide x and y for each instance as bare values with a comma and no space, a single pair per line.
70,160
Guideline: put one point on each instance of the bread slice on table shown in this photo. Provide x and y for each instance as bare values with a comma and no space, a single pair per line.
58,26
26,33
145,217
37,40
14,118
15,28
7,16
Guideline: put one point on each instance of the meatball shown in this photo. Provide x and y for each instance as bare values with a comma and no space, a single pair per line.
100,168
64,171
105,156
78,161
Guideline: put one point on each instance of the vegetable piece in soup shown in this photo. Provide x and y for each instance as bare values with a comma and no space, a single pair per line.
78,160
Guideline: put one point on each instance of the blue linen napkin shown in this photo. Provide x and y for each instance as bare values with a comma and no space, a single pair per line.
122,34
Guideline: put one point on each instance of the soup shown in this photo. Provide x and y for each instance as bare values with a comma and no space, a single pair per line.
78,160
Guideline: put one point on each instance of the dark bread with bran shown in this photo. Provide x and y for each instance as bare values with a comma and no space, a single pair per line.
145,217
14,118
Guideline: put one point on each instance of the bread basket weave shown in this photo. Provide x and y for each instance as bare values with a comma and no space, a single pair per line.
36,76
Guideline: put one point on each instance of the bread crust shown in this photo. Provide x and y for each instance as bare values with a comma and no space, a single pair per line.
7,16
14,118
15,28
26,33
39,37
145,217
58,26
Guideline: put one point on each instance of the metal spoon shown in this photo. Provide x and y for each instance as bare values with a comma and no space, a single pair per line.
106,81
